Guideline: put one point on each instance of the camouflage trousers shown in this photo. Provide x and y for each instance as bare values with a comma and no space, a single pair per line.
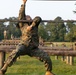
34,52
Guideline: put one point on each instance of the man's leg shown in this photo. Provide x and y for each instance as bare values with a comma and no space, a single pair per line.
43,57
12,58
9,62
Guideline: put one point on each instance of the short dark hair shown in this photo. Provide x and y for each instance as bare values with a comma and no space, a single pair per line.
28,17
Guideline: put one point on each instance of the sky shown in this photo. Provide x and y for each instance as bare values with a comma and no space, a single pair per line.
46,9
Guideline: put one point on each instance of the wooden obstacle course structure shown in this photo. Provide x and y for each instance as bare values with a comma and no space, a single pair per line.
10,42
51,52
6,47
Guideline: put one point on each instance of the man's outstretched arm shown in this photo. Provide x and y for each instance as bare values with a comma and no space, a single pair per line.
36,22
22,11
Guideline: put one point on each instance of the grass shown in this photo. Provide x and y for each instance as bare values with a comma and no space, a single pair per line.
30,66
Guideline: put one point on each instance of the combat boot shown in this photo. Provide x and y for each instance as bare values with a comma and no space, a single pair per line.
49,73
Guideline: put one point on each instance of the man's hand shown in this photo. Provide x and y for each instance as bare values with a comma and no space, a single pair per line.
24,1
29,28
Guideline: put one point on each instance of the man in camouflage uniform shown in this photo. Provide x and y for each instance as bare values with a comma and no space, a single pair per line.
29,43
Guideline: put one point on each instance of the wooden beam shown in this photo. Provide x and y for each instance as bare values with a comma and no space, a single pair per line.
61,53
5,20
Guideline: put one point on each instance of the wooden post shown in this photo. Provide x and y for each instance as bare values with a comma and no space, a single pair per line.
62,58
56,57
67,60
2,59
71,60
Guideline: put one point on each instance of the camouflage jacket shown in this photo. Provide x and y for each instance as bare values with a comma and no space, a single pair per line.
28,38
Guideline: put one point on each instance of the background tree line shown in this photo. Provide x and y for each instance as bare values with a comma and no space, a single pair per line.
48,31
10,27
58,31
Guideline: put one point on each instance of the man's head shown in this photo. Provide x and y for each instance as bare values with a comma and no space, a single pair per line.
28,17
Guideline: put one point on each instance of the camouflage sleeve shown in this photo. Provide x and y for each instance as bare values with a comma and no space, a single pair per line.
36,21
22,12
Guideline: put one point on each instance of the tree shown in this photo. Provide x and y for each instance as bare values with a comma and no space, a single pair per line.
12,29
71,31
57,30
43,32
2,28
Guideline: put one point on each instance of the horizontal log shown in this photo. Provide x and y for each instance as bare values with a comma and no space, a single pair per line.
56,48
8,48
51,52
61,53
5,20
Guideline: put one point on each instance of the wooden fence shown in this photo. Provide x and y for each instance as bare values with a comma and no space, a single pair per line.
64,52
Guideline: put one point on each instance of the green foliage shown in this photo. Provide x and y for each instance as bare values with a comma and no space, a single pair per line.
42,31
10,27
2,28
58,31
71,34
